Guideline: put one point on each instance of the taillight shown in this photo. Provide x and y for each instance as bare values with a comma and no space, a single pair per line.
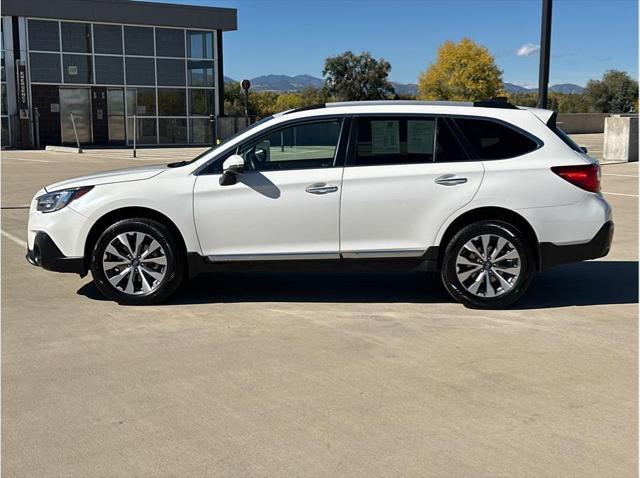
585,176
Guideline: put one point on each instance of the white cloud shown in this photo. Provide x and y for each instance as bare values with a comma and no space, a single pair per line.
528,49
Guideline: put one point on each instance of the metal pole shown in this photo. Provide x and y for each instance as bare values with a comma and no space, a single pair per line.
36,117
135,133
75,132
545,50
246,106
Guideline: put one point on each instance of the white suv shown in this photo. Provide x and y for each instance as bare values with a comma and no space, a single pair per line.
486,193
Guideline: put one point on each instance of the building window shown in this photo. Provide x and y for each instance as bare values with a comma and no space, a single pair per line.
169,42
5,131
107,39
76,37
146,130
200,73
200,44
44,35
4,100
138,41
200,130
140,71
77,68
109,70
141,101
172,102
172,130
170,72
45,67
201,102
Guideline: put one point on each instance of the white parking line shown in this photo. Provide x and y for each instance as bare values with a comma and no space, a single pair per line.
32,160
620,194
621,175
13,238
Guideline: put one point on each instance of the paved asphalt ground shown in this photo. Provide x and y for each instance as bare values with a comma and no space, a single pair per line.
292,375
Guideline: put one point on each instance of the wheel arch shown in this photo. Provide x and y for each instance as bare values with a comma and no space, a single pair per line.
489,213
128,213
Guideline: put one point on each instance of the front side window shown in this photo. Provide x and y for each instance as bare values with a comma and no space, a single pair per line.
304,146
389,140
492,140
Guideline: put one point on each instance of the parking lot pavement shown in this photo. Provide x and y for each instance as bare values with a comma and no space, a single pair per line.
318,375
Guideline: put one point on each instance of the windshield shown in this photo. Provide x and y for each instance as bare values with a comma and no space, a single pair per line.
222,143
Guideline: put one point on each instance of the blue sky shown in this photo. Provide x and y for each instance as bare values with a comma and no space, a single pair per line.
295,36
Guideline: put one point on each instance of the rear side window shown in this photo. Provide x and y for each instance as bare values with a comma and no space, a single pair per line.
492,140
394,140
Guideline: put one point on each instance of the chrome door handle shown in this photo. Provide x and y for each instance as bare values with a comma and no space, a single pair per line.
450,180
321,188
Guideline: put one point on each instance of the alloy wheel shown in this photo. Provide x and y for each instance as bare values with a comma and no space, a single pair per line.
488,265
134,263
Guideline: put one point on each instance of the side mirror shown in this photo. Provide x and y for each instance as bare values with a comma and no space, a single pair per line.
584,149
234,164
231,167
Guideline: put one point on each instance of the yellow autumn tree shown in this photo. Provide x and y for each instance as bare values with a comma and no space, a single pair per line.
463,71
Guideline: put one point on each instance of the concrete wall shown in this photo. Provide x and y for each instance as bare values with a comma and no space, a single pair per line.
577,123
621,138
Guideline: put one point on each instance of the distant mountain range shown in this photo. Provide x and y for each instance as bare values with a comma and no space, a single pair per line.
283,83
565,88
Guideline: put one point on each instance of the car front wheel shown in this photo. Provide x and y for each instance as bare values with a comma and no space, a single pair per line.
137,262
488,265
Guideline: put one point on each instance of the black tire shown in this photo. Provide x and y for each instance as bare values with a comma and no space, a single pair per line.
173,271
519,286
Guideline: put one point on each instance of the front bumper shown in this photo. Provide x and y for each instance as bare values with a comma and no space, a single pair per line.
46,254
552,255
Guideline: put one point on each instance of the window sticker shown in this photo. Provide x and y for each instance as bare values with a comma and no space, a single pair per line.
385,137
420,135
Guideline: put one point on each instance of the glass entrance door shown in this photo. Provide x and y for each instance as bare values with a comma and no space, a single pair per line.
115,112
76,102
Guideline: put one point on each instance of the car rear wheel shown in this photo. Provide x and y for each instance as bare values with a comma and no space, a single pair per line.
137,262
488,265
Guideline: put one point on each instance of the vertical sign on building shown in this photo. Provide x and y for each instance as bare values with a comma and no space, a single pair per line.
23,102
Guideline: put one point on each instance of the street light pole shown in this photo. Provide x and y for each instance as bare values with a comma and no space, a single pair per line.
545,50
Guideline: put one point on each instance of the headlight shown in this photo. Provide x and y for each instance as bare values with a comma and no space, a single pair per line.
57,200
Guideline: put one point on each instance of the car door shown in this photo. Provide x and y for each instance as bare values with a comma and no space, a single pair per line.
405,175
284,205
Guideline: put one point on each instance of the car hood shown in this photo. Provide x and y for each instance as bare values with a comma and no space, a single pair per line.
107,177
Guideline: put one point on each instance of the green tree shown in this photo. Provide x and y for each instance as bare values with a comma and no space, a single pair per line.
352,77
616,92
463,71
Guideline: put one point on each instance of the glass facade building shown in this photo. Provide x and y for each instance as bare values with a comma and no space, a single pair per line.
102,81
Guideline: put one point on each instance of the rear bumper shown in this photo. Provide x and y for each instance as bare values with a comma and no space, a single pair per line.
46,254
552,255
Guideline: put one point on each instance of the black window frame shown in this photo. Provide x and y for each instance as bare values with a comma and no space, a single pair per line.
214,166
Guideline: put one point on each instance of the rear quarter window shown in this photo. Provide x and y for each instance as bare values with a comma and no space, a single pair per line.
493,140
